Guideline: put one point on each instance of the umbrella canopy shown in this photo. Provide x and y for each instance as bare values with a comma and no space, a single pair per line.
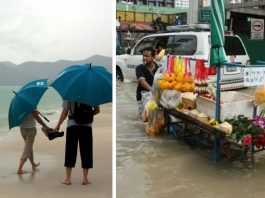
217,54
91,85
25,101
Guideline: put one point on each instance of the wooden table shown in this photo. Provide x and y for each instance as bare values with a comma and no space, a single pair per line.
213,133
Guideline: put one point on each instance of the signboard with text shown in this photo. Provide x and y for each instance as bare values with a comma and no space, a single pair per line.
257,28
254,76
205,15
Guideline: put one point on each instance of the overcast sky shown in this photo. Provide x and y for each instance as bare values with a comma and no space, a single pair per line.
51,30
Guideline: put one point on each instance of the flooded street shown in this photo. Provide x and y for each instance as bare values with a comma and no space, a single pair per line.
161,166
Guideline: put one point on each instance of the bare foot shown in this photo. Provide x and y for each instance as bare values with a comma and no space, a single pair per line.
85,182
66,182
21,172
34,166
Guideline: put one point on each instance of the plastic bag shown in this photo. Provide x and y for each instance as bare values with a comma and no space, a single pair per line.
259,97
156,91
155,123
170,66
170,99
187,67
179,68
146,98
150,106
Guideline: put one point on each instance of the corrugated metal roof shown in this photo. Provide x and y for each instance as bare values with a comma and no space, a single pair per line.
148,9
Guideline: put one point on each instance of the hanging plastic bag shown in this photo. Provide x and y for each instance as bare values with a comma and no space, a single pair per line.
187,67
156,90
146,97
170,99
179,68
182,67
170,66
259,97
201,77
155,123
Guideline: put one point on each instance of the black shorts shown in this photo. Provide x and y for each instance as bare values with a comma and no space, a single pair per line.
83,135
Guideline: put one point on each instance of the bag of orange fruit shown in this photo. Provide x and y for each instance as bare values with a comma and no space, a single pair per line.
259,96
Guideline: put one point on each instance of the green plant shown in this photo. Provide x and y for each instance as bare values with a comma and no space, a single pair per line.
243,126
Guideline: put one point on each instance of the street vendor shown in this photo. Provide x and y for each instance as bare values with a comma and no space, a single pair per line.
161,51
145,75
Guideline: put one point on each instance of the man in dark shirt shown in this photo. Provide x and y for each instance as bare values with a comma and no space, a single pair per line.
145,75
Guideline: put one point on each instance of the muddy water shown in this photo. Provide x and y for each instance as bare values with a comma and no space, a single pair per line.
161,167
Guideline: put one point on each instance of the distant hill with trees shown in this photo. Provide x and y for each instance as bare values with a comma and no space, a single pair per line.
11,74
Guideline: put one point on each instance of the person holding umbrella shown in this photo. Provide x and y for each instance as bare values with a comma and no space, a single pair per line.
83,88
28,132
79,130
22,112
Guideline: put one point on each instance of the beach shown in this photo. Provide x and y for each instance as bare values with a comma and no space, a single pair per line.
45,181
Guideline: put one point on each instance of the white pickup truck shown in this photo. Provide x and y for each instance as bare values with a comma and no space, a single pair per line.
193,44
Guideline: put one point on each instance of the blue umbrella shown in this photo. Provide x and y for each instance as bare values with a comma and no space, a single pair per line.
25,101
91,85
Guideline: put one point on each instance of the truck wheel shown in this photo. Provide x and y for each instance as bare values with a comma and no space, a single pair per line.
119,76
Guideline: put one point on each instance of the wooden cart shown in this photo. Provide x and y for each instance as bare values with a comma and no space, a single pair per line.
194,132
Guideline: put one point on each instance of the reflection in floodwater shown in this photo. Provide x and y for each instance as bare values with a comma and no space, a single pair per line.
164,167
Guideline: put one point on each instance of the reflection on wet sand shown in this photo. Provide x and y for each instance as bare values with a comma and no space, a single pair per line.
162,166
27,177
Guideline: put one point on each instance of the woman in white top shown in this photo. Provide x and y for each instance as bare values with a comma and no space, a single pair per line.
28,132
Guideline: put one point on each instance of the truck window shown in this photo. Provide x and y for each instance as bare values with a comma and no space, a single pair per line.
182,45
233,46
146,42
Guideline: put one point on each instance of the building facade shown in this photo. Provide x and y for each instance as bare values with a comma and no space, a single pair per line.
137,18
183,4
160,3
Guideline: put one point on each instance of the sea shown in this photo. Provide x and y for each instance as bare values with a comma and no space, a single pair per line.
50,106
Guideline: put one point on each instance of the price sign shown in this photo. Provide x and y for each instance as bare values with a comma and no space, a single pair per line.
254,76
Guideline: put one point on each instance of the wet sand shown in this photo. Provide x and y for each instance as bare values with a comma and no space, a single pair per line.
161,166
45,181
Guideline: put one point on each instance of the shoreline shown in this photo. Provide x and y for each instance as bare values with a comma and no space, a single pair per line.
45,181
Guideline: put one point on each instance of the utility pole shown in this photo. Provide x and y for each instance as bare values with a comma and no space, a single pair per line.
194,6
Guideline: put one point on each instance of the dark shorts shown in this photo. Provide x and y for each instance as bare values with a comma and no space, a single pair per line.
83,135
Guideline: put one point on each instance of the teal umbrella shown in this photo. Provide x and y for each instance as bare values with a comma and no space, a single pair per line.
217,53
91,85
25,101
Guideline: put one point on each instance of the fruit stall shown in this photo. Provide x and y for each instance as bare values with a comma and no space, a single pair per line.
189,106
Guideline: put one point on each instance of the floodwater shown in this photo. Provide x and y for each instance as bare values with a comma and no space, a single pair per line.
162,167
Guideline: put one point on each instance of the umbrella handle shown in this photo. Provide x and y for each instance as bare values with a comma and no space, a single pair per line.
44,117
